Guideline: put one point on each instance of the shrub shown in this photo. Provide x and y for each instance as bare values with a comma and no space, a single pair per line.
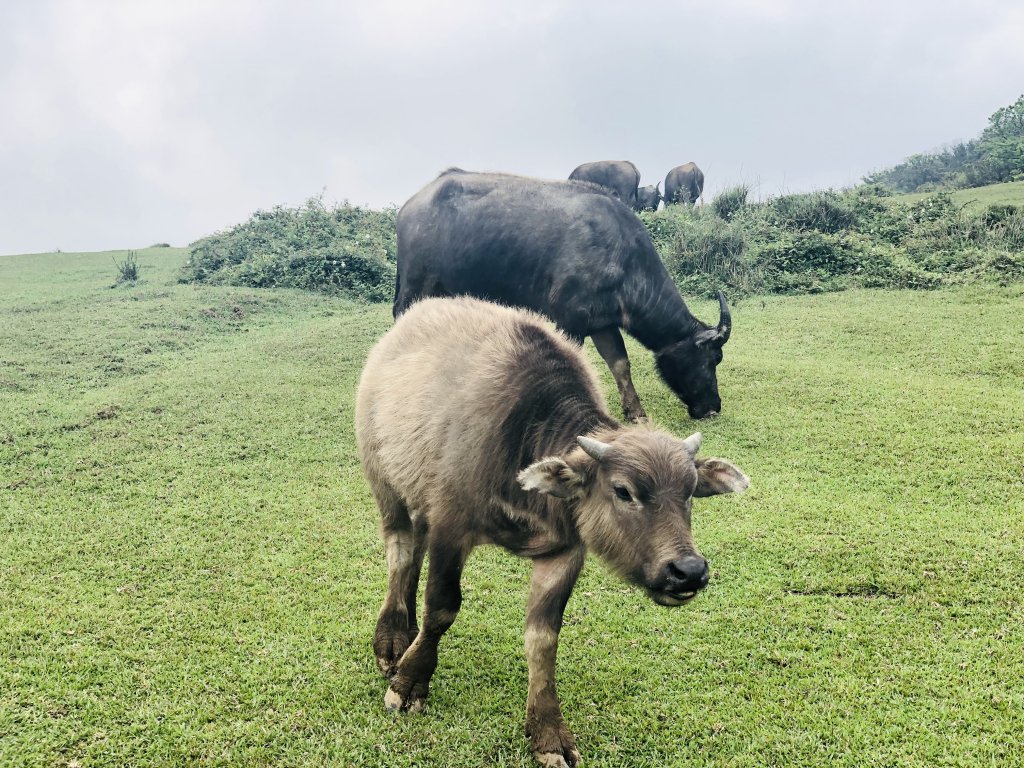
729,202
822,241
935,207
822,211
882,220
997,213
897,275
1005,266
702,252
346,249
127,270
820,252
835,240
1009,232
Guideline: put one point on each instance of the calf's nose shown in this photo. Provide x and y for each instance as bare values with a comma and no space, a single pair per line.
688,573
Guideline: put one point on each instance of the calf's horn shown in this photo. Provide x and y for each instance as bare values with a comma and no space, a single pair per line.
692,443
594,448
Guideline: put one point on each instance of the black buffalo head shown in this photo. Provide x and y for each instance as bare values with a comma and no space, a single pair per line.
647,198
688,366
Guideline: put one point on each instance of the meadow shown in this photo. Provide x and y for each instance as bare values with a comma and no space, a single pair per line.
190,568
1008,193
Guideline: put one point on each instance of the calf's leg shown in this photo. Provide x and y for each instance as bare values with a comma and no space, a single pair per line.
411,682
551,742
419,530
403,548
609,343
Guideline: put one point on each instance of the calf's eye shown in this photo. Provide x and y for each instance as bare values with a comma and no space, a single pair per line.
623,493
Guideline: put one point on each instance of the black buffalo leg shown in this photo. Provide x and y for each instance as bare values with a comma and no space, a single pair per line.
609,343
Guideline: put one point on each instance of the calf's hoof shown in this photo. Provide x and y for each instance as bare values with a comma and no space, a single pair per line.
414,699
389,646
567,759
554,746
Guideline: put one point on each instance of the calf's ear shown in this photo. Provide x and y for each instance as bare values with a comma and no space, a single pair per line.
715,476
551,476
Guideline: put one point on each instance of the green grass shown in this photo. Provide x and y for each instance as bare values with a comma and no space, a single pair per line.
190,569
1011,193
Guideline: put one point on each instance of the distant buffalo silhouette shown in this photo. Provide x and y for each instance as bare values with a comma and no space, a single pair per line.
647,198
620,176
684,184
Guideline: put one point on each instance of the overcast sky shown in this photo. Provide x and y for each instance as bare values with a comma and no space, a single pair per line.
129,123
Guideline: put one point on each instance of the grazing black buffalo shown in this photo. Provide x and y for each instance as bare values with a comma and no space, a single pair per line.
684,184
480,424
570,251
647,198
620,176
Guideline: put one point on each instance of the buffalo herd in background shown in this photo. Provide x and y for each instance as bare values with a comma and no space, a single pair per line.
573,252
683,184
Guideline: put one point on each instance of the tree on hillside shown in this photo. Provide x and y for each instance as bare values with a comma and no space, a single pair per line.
996,156
1007,122
1002,146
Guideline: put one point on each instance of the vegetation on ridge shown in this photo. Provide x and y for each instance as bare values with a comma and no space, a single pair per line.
994,157
821,241
826,241
344,249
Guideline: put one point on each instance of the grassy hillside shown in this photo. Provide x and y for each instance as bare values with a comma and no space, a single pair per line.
191,569
1010,193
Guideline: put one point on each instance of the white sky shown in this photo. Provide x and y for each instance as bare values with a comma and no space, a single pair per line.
127,123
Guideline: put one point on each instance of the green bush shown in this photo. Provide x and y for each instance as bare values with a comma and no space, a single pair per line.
127,270
820,252
822,211
1004,266
729,202
702,252
823,241
346,249
1009,232
997,213
829,241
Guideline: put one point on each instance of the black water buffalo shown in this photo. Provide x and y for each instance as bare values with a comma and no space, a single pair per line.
684,184
570,251
620,176
647,198
480,424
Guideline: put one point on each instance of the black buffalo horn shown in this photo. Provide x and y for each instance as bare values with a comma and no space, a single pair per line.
724,320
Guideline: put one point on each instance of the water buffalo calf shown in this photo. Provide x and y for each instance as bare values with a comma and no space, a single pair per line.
479,424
